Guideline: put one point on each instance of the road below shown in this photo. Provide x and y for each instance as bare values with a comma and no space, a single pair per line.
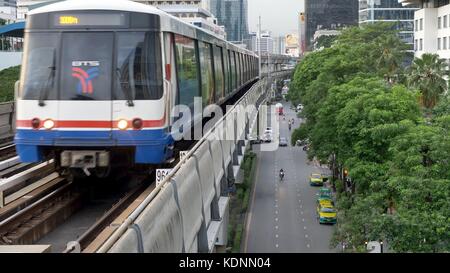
282,215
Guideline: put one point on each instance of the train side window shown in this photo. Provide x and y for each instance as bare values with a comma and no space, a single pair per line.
206,73
247,65
241,66
218,67
246,68
226,71
238,69
249,61
138,71
188,83
244,64
232,70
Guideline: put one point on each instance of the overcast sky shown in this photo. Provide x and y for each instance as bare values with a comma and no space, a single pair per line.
278,16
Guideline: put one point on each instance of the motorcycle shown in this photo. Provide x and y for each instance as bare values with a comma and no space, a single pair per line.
281,176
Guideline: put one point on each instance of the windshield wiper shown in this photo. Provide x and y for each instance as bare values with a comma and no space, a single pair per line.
43,92
127,91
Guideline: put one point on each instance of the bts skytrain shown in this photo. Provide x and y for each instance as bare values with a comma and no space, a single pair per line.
99,80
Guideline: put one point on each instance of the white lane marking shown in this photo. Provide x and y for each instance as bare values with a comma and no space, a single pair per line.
304,228
308,246
276,227
276,245
306,235
301,212
276,212
276,219
303,219
276,235
276,205
301,206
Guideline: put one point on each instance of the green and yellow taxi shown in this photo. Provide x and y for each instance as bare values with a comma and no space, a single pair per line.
326,213
325,202
315,179
324,193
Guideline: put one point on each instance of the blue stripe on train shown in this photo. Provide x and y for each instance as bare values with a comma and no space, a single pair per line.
151,145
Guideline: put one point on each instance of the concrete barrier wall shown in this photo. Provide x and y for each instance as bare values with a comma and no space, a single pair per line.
190,214
7,120
161,236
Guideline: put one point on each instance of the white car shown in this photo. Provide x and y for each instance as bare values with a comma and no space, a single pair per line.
268,137
299,107
268,131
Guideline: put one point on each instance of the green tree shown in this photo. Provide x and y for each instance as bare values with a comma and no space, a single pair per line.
427,74
389,56
8,78
359,117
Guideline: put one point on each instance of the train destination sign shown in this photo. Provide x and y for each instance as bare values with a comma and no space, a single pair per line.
90,19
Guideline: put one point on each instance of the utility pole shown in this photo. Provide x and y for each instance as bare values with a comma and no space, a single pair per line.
258,44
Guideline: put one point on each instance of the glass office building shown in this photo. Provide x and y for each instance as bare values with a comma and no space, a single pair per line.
328,14
371,11
233,14
7,3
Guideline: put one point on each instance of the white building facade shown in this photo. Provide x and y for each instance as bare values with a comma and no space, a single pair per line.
431,27
8,10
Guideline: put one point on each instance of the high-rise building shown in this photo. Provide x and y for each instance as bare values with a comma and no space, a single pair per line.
266,42
8,10
329,14
279,45
431,27
233,14
371,11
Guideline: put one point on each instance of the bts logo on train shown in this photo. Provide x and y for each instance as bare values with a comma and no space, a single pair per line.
85,77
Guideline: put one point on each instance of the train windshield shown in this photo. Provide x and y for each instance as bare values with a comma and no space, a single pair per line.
39,69
92,66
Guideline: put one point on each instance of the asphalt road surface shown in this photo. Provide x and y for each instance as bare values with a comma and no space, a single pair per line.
282,216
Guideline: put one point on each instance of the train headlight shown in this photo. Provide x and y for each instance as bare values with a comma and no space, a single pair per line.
122,124
138,123
49,124
35,123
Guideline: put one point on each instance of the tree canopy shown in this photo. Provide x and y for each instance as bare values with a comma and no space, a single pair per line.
360,115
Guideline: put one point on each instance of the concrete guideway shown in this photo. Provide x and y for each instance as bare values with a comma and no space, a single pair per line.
282,215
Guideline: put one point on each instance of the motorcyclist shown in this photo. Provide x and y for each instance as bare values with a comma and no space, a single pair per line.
289,126
281,174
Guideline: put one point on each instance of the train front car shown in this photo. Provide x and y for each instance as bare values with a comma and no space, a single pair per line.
91,90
